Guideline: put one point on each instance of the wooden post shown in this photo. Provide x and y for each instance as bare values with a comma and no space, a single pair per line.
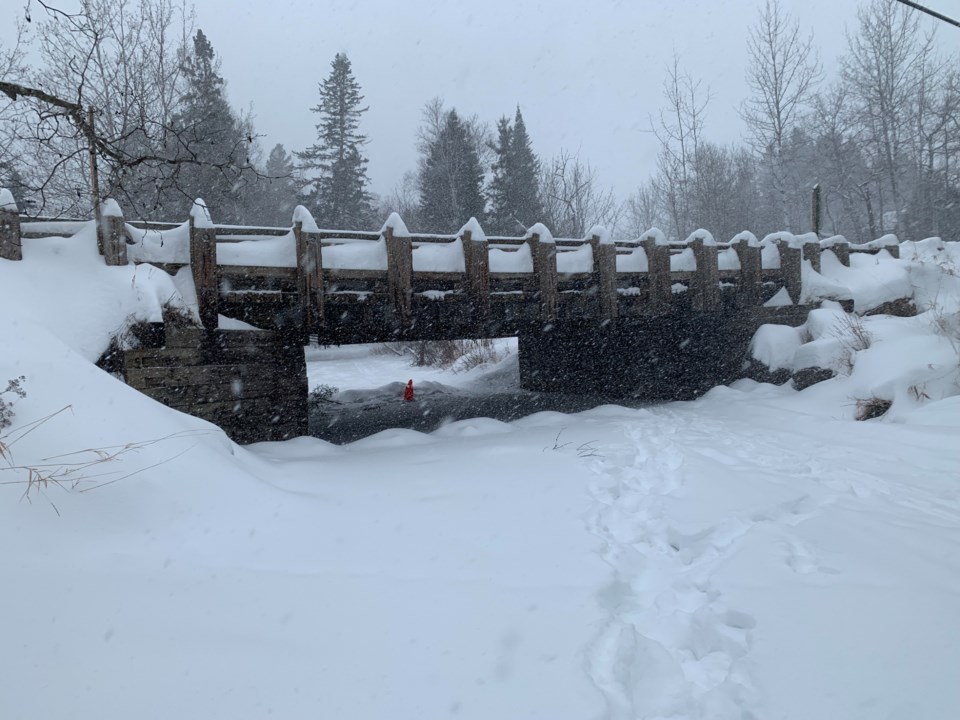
658,274
605,278
842,252
811,252
10,247
790,269
706,280
815,210
545,268
112,234
476,263
400,276
751,274
203,263
309,277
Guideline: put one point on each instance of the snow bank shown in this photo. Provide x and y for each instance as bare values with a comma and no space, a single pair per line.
63,285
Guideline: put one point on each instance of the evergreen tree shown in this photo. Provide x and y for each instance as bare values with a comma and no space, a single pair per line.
278,189
206,131
340,198
514,190
450,179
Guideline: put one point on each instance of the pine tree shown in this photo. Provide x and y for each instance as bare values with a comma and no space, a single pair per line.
206,130
278,188
451,179
500,190
340,197
514,190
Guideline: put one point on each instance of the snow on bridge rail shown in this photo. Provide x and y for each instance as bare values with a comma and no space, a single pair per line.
397,279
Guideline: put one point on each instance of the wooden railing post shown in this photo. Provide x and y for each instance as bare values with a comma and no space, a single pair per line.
790,269
400,275
112,233
658,274
543,250
841,250
476,263
203,263
811,252
10,247
605,278
751,274
309,277
706,280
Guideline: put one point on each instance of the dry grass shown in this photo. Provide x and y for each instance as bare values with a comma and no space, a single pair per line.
871,408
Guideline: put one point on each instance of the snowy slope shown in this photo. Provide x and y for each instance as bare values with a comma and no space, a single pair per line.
755,553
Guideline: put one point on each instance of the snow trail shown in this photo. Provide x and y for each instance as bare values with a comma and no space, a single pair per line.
671,647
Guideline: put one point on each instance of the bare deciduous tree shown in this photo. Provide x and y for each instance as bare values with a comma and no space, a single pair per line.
679,131
573,199
108,90
782,75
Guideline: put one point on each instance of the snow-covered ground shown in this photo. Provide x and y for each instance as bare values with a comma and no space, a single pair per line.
753,554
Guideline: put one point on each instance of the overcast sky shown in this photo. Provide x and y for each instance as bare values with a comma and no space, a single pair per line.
587,75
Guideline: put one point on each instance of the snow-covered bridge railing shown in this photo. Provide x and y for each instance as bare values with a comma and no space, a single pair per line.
352,286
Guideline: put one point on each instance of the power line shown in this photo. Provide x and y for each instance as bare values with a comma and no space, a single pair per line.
928,11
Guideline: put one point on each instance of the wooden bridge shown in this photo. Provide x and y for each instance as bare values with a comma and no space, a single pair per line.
647,317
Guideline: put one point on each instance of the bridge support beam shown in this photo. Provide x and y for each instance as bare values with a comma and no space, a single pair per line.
672,357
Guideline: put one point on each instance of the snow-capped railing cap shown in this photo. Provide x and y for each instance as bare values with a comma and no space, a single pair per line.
7,203
778,237
810,238
833,241
659,237
472,226
700,234
305,218
200,214
110,208
601,232
888,240
541,231
396,225
746,237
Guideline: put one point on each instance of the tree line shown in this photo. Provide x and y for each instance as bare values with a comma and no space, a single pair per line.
882,138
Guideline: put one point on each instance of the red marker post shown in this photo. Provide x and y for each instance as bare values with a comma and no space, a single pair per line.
408,391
